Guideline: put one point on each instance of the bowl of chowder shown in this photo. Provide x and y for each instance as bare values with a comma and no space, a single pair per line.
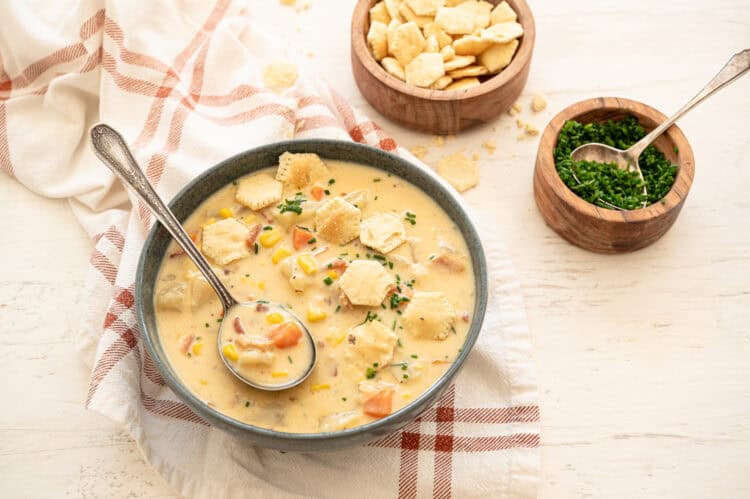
376,256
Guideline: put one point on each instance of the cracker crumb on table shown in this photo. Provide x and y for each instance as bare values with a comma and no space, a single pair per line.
538,103
460,171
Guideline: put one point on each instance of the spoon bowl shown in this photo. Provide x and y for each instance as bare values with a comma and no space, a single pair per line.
234,330
112,150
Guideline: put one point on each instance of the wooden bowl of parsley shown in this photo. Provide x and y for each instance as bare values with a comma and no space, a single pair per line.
596,206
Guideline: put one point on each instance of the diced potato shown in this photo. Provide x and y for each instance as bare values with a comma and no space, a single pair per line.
172,296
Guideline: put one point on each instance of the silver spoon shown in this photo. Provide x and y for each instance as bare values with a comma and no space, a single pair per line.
110,147
737,66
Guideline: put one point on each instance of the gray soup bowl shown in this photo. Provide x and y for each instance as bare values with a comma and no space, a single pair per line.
190,197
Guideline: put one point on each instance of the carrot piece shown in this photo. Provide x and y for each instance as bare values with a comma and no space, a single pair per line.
285,335
380,404
301,237
317,193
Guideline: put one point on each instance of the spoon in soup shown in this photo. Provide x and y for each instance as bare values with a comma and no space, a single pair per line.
737,66
287,332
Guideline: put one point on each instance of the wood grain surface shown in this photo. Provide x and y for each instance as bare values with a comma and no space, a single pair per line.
439,111
642,358
599,229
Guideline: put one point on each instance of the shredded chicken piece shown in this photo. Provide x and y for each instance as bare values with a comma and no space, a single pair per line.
451,261
185,343
253,235
257,342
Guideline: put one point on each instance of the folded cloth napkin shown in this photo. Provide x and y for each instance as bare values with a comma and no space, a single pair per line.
183,82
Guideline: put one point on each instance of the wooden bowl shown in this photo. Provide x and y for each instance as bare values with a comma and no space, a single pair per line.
439,111
599,229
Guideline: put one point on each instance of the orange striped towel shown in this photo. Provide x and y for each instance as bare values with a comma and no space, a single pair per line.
186,90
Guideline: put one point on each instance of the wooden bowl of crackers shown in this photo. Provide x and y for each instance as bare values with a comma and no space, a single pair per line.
441,66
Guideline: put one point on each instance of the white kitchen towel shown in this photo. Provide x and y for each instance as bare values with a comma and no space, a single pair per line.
183,82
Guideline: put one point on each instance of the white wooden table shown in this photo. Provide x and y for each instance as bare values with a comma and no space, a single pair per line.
643,359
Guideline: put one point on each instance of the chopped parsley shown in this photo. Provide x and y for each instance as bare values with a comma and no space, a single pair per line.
331,181
370,373
312,240
247,403
397,300
256,248
411,218
328,281
267,227
327,192
370,317
289,358
377,179
398,342
293,205
604,184
414,356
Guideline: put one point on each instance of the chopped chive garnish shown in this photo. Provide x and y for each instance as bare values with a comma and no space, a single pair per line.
267,227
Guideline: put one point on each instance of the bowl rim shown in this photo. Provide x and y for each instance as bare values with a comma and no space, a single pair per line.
360,23
208,413
673,199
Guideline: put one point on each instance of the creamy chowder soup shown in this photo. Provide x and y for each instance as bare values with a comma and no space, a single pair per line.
265,344
374,268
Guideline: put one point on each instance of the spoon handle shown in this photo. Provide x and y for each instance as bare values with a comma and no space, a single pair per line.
110,147
737,66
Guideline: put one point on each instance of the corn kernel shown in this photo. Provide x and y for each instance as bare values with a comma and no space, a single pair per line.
261,285
197,347
336,338
321,386
280,374
202,381
248,219
332,274
269,238
315,314
280,254
274,318
308,264
406,395
226,213
230,352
